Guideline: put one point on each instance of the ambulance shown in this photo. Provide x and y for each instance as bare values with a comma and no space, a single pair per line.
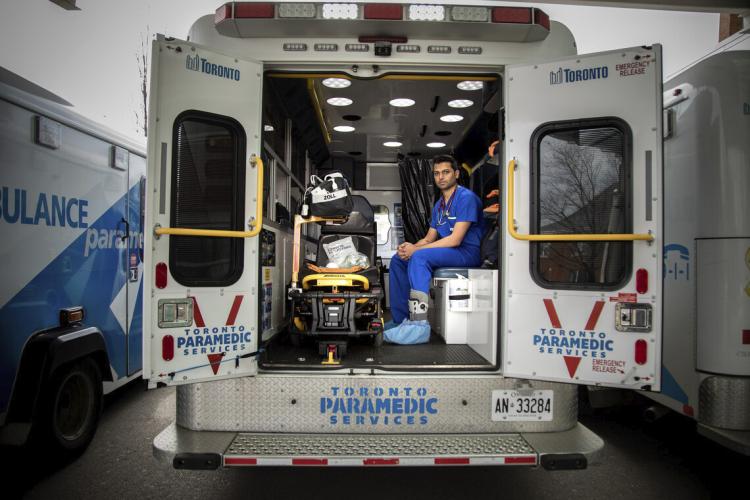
72,208
262,96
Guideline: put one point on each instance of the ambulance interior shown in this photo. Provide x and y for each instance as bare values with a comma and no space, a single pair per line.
381,134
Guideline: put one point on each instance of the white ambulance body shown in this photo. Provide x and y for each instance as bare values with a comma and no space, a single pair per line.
706,353
577,296
71,264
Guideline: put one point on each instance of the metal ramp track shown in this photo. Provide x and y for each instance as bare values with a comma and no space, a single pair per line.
386,450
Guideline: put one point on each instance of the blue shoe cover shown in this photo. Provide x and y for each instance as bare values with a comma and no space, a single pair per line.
409,332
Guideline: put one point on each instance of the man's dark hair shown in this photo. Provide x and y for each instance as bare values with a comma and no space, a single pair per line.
445,159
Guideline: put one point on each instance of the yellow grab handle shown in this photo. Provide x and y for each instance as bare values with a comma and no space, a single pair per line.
256,224
557,237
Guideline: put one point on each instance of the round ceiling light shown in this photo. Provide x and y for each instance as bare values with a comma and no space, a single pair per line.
343,128
392,144
338,83
451,118
339,101
402,102
435,144
470,85
268,128
460,103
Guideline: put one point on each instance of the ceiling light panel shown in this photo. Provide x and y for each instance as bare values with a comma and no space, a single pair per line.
470,85
435,144
451,118
392,144
460,103
339,101
343,128
402,102
337,83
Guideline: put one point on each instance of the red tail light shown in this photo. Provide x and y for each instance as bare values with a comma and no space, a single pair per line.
248,10
160,276
390,12
167,348
641,351
518,15
641,281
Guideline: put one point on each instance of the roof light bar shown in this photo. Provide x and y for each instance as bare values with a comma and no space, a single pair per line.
296,10
470,50
295,47
439,49
426,13
326,47
541,18
340,11
384,11
513,15
247,10
470,14
408,48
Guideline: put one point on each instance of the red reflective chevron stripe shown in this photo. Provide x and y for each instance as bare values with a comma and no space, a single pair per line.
552,313
452,461
197,316
309,461
595,313
235,309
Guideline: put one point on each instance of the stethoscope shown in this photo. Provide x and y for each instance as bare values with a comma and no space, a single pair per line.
443,208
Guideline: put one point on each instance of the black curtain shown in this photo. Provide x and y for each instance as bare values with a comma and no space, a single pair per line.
417,197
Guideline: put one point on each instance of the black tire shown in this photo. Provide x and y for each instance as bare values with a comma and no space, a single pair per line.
71,405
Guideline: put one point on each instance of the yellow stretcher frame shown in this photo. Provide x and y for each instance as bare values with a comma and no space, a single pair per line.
333,279
558,237
256,223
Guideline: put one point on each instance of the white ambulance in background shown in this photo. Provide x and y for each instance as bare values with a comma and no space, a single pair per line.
263,95
71,261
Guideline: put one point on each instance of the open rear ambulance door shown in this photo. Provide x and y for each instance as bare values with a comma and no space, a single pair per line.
202,215
582,267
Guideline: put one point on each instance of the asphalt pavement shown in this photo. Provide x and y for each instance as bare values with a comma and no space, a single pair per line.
666,459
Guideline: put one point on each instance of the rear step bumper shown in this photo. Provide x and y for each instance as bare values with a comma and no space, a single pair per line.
186,449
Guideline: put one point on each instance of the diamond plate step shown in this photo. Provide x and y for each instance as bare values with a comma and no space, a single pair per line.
350,450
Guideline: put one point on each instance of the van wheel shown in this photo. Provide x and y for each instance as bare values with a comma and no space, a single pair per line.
71,407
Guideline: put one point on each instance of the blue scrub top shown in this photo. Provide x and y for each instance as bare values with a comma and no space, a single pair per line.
464,206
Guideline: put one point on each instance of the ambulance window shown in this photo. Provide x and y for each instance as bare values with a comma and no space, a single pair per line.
581,181
207,193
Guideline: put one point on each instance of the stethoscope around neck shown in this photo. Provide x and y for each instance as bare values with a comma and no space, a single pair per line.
444,208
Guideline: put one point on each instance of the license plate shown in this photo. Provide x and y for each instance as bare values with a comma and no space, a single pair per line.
533,406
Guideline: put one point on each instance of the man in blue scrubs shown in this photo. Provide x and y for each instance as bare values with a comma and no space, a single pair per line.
453,240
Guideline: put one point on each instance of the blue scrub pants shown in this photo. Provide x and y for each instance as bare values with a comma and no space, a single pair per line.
416,273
